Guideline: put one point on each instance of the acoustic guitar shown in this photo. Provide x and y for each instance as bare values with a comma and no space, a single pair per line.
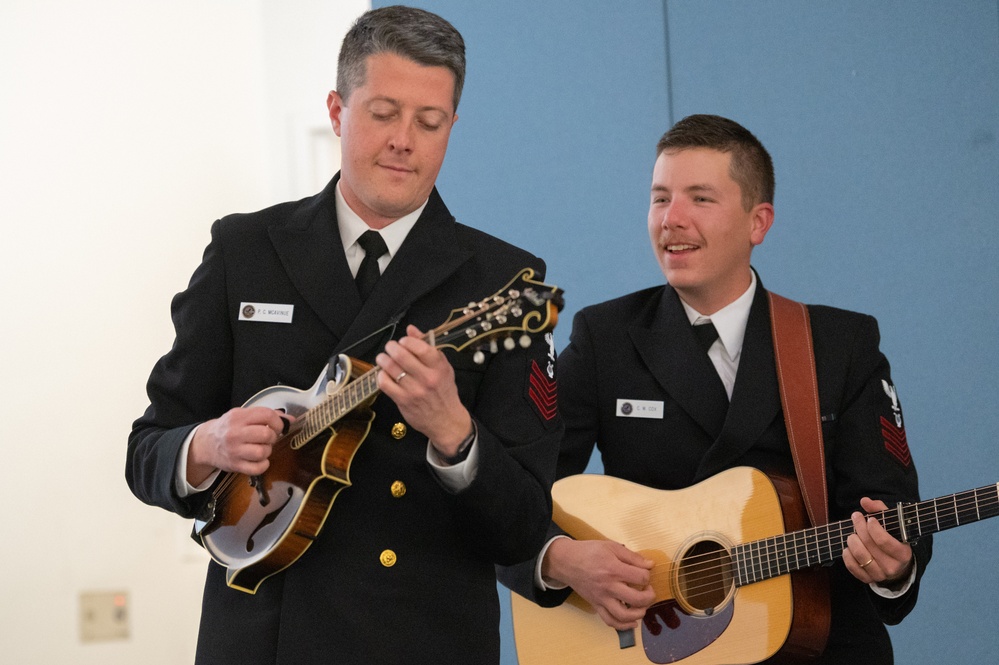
256,526
724,563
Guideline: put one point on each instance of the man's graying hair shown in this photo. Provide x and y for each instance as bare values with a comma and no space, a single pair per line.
416,34
752,168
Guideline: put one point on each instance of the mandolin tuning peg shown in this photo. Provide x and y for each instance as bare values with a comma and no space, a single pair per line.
525,341
478,357
509,344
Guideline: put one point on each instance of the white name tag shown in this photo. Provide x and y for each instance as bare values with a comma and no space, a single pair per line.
639,408
265,312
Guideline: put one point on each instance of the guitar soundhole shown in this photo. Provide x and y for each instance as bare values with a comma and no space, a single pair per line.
704,577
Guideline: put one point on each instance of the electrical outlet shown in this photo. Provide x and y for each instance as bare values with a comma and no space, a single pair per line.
103,616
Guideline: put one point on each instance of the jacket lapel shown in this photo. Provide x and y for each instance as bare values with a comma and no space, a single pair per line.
755,397
668,348
430,254
310,250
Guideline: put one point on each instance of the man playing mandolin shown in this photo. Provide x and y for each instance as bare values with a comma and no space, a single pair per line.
454,471
669,406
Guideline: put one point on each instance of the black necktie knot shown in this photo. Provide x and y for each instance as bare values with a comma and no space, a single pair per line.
368,273
705,334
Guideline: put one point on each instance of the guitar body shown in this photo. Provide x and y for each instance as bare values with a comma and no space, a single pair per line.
701,617
265,523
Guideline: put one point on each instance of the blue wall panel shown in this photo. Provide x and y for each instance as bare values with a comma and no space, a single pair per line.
883,121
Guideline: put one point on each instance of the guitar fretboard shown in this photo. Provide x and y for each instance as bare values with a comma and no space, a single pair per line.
762,559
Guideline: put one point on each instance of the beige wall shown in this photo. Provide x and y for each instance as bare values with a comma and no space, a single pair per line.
126,127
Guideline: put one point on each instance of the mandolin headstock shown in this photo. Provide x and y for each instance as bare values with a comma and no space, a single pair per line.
522,308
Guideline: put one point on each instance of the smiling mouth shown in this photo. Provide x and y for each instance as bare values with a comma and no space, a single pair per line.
680,248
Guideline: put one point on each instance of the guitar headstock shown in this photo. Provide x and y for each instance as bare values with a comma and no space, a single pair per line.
523,306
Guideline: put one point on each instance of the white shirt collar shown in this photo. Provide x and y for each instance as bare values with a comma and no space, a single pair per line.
730,321
352,226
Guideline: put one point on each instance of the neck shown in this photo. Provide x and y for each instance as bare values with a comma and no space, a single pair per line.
707,302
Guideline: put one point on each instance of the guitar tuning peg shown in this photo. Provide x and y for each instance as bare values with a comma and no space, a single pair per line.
478,357
525,341
493,346
509,344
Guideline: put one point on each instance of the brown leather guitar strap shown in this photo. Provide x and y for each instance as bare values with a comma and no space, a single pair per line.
799,395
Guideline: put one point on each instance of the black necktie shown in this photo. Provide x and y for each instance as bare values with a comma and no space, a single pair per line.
368,273
705,334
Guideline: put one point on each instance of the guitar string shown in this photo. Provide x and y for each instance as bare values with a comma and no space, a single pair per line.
772,550
714,568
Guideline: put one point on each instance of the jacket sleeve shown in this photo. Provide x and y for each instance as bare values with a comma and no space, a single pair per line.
867,447
190,384
577,404
505,511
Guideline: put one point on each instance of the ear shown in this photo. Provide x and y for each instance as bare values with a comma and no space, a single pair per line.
335,105
762,218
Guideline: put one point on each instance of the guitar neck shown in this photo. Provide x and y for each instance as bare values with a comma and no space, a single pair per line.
762,559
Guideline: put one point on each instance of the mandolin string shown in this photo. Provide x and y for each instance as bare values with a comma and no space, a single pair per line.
716,566
365,386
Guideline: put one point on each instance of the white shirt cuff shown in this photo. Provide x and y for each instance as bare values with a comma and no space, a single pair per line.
183,487
455,477
539,580
885,592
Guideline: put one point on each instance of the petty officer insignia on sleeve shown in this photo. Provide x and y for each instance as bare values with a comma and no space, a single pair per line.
892,431
541,387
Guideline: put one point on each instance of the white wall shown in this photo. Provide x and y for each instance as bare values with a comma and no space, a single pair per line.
126,128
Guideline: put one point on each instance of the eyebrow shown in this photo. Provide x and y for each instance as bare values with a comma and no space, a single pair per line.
690,188
397,103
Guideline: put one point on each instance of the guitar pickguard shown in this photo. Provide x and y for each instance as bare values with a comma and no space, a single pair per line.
670,634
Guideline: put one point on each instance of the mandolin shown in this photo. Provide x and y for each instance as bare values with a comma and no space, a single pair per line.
256,526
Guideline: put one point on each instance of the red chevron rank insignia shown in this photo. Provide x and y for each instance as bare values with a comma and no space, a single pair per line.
895,441
541,389
893,433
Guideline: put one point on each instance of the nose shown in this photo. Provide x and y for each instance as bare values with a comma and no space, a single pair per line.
673,216
401,139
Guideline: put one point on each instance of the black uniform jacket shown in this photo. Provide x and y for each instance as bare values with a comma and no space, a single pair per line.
339,603
640,347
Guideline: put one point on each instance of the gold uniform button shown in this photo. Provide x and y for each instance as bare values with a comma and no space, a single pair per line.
398,489
398,431
388,558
